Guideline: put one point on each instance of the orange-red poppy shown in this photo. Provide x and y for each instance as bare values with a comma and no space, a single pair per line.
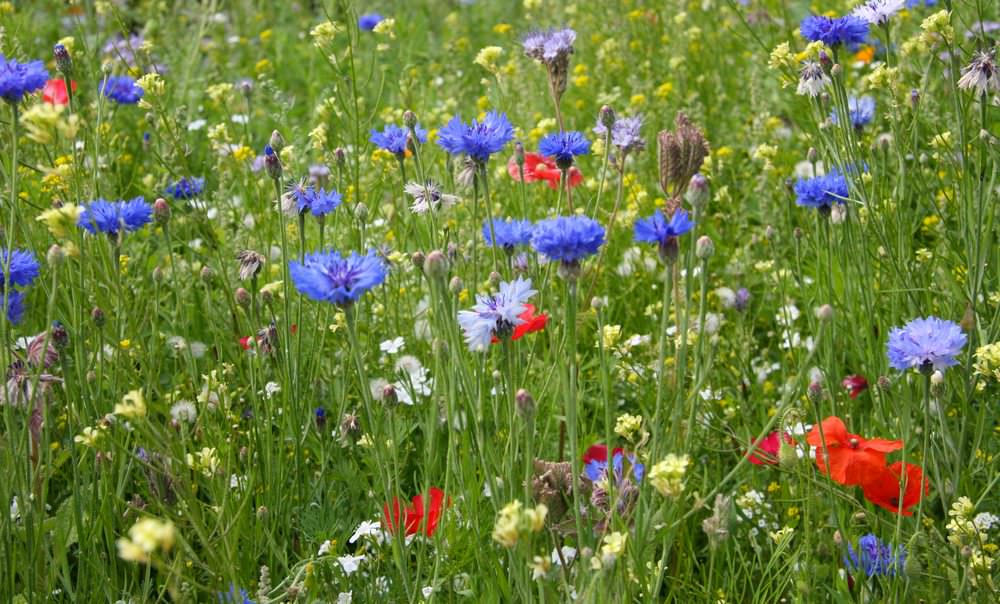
539,167
414,514
54,92
854,460
883,488
765,452
532,323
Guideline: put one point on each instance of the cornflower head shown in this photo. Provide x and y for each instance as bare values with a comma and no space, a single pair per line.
834,31
878,12
812,79
393,138
861,111
478,140
567,239
341,280
15,305
20,79
317,201
121,89
427,196
926,344
17,268
115,217
626,133
981,74
874,558
186,188
495,315
368,21
821,192
507,234
596,470
563,147
663,231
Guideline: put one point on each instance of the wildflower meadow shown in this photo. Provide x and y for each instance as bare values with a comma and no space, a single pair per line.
500,301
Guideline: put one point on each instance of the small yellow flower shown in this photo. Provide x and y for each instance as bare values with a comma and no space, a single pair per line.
133,405
61,221
146,536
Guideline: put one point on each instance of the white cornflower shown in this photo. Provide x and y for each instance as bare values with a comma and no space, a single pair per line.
981,74
427,197
495,315
877,12
812,79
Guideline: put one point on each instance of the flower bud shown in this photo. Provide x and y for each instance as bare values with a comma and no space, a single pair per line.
157,275
409,119
836,70
266,297
815,391
56,255
797,233
242,297
937,378
824,60
769,232
436,264
272,163
161,211
525,403
207,274
277,142
697,192
787,457
495,278
607,117
97,316
519,153
811,155
417,259
361,212
456,285
704,248
914,97
64,62
824,313
340,156
389,396
350,428
597,303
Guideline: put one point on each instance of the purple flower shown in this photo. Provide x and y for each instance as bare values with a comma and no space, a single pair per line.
111,217
330,277
477,139
860,110
549,46
874,557
369,21
567,239
507,234
626,133
925,344
393,138
821,192
186,188
20,79
596,470
834,31
121,89
18,268
564,146
742,299
124,48
657,229
495,315
318,201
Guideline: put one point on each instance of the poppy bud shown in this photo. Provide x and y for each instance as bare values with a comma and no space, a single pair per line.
418,258
277,141
824,313
436,264
242,297
456,285
97,316
64,62
409,119
525,403
161,211
704,248
56,255
787,457
607,117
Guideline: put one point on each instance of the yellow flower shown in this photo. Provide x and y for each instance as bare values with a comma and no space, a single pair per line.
61,221
146,536
667,477
219,92
262,66
386,27
610,335
506,528
204,461
133,405
324,33
502,28
44,122
88,437
487,58
627,426
152,84
243,153
125,344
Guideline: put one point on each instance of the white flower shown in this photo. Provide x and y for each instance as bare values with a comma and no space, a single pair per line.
345,597
985,521
350,563
240,118
428,196
877,12
271,388
196,125
367,528
183,411
812,79
324,548
427,591
392,346
494,314
981,74
726,296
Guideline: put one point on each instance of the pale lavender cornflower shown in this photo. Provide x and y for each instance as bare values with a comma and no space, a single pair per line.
626,133
878,12
925,344
812,79
981,74
495,315
548,47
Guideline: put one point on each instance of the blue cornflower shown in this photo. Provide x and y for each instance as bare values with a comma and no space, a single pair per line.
834,31
235,596
19,79
567,239
186,188
626,133
563,147
860,110
596,470
874,557
393,138
549,46
742,299
112,216
319,202
15,305
507,234
495,315
925,344
330,277
122,90
658,229
477,139
23,269
821,192
369,21
916,3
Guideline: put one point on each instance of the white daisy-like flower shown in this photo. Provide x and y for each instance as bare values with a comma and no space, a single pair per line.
878,12
981,74
428,196
495,315
392,346
812,79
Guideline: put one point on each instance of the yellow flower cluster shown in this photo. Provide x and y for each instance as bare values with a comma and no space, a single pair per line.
667,477
612,547
44,122
204,461
133,405
514,521
146,537
988,361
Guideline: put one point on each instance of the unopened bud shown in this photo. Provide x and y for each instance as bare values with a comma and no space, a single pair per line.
815,391
519,153
157,275
97,316
207,274
704,248
271,162
56,255
836,70
607,117
242,297
824,59
914,97
495,278
787,456
769,232
277,141
409,119
161,211
436,264
597,303
417,259
824,313
811,155
525,403
797,233
266,297
389,395
937,378
456,285
64,62
697,191
361,212
340,156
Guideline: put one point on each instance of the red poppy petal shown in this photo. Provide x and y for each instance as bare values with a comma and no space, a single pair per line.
882,445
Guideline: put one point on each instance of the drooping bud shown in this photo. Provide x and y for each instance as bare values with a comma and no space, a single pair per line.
161,211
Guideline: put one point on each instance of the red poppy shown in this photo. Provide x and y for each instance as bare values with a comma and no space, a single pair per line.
853,459
599,453
532,323
765,452
539,167
883,488
54,92
413,515
855,385
246,342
